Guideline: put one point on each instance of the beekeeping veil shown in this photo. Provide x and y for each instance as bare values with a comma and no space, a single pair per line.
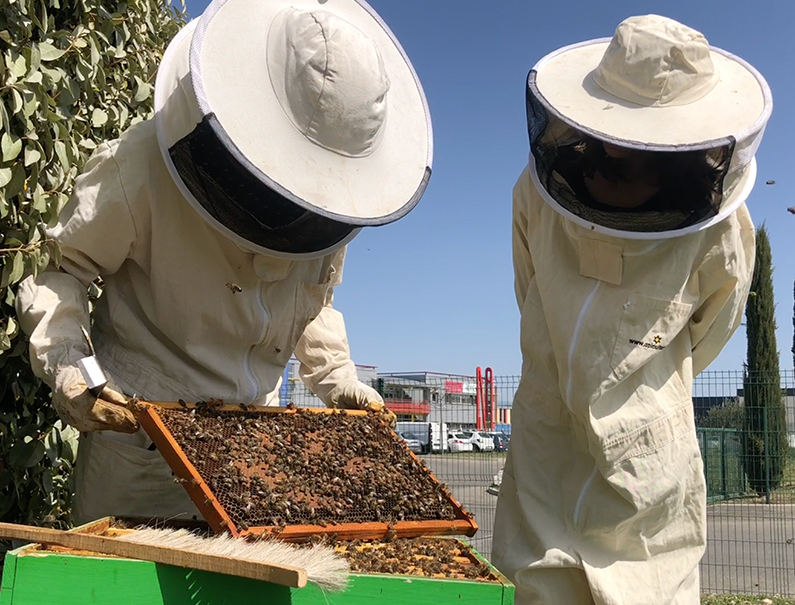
657,85
289,125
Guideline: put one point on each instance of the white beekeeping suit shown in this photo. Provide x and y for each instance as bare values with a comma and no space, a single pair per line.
219,231
623,300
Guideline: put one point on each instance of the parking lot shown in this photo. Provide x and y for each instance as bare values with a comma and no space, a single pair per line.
750,547
467,476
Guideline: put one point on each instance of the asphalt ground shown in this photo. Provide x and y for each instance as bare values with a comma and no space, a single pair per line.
750,547
468,476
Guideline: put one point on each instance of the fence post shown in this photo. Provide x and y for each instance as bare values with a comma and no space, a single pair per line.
767,456
724,487
705,454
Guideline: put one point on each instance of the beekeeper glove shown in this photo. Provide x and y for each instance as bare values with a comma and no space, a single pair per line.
355,395
76,405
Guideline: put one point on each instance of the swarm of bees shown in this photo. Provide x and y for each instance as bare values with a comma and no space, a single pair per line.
306,468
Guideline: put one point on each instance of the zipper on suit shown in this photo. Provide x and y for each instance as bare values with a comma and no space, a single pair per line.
262,334
575,338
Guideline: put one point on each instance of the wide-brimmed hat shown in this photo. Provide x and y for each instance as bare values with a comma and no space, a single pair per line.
291,125
656,85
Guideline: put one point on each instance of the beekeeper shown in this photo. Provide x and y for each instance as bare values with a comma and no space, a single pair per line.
219,230
633,253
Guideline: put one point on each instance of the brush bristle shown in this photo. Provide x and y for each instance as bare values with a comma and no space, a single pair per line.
323,566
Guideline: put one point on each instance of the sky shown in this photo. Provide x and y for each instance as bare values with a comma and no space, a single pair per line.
434,291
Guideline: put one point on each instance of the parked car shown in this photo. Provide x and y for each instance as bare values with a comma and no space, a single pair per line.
415,445
501,441
481,442
459,442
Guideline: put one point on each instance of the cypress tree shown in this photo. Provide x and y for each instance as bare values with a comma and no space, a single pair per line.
765,428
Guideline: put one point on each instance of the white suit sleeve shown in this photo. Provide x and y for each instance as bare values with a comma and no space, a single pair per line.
323,350
522,261
724,281
95,233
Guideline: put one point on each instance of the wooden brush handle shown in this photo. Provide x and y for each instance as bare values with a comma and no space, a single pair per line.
284,575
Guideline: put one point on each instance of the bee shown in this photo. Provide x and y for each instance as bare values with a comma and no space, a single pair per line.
233,287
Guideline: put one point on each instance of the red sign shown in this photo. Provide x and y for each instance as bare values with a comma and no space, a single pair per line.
454,387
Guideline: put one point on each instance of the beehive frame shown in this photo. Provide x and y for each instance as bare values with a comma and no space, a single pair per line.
220,520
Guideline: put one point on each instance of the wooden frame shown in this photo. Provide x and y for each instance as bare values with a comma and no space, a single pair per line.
219,520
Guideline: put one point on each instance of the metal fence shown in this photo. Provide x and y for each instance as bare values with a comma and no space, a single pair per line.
746,429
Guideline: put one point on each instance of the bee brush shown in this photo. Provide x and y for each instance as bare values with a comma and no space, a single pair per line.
268,559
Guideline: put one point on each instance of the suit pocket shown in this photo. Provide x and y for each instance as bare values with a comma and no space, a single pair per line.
648,326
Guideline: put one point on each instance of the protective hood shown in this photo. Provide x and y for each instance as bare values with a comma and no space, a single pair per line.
289,126
656,86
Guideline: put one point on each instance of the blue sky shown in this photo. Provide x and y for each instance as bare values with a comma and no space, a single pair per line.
434,291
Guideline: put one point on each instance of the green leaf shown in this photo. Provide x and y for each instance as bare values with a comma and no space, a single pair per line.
46,481
34,78
87,144
19,66
17,267
39,201
142,90
35,58
16,101
17,181
12,328
95,56
98,118
5,478
5,178
26,455
11,146
56,74
50,52
32,155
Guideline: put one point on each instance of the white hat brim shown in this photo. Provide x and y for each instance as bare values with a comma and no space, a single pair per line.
738,103
232,64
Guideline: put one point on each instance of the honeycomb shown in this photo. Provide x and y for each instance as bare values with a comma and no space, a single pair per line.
306,468
429,557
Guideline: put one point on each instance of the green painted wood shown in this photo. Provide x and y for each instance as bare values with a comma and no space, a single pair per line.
45,579
375,589
7,582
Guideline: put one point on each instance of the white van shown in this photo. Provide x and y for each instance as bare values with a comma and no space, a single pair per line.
430,434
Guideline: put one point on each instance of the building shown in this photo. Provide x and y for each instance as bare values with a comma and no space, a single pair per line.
293,389
413,396
430,396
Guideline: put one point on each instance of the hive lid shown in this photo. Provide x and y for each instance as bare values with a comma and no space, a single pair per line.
300,472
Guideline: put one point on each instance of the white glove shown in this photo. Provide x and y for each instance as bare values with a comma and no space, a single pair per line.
76,405
355,395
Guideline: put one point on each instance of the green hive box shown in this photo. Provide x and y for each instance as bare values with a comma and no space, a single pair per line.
36,577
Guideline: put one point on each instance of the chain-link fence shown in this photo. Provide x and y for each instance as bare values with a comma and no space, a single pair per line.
461,427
